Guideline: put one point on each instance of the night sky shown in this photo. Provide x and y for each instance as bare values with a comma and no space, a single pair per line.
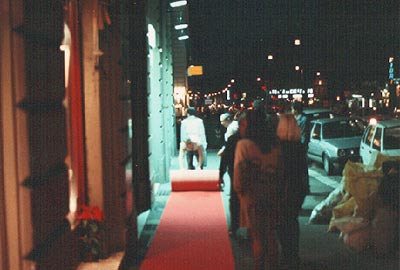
349,42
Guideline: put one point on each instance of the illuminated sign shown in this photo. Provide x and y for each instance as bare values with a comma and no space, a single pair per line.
195,70
294,92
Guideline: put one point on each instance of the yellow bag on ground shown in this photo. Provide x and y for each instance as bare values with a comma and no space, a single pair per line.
341,210
345,209
361,219
358,240
360,182
354,231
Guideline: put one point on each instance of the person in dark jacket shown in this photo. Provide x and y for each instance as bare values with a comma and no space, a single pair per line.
226,165
292,189
302,121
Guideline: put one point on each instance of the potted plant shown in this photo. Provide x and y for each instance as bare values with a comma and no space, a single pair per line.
91,231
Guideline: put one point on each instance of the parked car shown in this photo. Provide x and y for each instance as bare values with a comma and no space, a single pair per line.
363,121
318,113
380,137
333,142
314,113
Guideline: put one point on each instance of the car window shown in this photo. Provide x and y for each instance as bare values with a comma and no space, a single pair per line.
370,135
317,132
358,122
391,138
376,144
340,129
365,136
319,115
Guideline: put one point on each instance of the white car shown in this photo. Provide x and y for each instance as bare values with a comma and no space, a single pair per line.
333,142
380,137
318,113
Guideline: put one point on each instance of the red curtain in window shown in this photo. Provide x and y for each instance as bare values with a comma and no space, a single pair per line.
75,96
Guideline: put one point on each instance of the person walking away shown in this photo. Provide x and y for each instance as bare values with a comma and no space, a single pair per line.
292,189
227,165
270,116
302,121
193,127
255,175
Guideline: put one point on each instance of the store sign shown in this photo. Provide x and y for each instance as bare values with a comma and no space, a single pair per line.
291,93
195,70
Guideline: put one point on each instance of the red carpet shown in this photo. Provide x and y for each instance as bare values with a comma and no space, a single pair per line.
191,180
193,232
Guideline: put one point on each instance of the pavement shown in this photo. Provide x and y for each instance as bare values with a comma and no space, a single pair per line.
319,249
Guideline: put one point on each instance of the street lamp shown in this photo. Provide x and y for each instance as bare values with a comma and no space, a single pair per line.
183,37
297,43
181,26
175,4
303,84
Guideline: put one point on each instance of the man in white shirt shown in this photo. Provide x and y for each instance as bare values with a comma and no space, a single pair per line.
231,126
192,129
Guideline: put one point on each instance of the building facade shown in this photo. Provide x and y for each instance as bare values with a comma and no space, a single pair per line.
87,117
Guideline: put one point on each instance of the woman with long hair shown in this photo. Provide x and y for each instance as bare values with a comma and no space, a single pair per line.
255,175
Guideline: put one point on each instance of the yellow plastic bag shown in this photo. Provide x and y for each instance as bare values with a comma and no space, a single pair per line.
341,210
360,182
354,231
358,240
